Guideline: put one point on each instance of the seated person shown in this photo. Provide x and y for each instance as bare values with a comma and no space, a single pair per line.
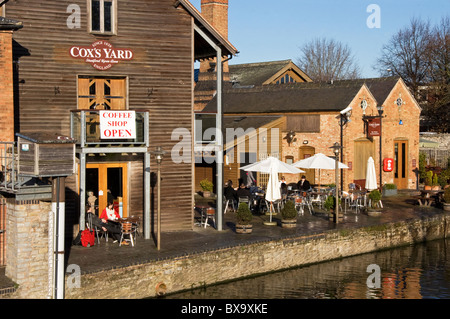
109,213
230,194
112,228
244,192
303,184
283,190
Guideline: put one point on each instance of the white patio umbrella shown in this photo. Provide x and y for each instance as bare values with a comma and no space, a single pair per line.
272,166
319,161
371,177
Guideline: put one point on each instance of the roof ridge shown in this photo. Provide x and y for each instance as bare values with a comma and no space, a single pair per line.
261,63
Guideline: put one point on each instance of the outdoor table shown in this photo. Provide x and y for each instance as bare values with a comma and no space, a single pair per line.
427,197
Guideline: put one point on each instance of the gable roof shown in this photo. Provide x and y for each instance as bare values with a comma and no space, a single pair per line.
300,97
379,87
263,72
286,98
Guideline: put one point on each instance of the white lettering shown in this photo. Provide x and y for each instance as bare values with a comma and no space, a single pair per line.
374,20
74,279
74,20
181,152
374,280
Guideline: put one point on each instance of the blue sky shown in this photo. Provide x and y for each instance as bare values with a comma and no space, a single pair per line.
267,30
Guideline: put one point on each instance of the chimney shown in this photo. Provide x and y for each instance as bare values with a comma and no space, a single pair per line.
7,26
216,13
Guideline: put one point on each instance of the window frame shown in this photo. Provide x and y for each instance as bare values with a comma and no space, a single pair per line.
114,15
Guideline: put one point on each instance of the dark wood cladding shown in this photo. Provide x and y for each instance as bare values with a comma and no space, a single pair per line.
309,123
159,77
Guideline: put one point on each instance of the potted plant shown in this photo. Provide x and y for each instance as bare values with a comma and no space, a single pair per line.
289,215
330,206
389,189
428,180
435,186
243,218
375,198
446,203
207,187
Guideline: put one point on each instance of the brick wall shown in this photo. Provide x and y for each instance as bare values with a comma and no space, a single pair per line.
6,87
216,13
27,248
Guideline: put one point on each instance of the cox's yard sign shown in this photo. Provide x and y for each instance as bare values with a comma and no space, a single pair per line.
117,124
101,54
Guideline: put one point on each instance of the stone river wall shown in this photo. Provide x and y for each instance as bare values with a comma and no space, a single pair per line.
201,269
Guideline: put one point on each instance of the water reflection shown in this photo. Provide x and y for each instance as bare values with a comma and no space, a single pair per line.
413,272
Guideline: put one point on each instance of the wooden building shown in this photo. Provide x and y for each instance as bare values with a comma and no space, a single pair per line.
73,60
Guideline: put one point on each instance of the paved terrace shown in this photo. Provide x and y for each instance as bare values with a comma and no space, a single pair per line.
107,255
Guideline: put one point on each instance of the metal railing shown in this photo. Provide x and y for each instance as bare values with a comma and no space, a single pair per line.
9,176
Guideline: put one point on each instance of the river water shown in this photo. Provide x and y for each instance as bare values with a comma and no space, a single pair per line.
420,271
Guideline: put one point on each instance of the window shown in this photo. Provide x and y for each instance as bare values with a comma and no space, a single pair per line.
103,15
285,79
99,93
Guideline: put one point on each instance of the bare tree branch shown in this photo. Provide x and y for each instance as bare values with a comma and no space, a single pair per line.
325,60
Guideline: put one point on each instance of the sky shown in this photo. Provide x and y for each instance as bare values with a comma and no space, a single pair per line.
268,30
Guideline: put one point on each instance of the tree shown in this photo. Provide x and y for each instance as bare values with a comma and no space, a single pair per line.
437,106
420,55
325,60
406,55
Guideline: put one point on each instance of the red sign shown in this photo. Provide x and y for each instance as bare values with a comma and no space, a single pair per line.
101,54
388,164
373,127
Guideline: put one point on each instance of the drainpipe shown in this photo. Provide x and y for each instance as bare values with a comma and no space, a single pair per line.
58,208
219,141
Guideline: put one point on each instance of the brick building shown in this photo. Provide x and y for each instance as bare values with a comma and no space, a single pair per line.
318,115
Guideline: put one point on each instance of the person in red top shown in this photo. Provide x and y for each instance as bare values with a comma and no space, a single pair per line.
110,214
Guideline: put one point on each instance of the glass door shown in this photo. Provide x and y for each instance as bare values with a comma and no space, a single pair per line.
107,182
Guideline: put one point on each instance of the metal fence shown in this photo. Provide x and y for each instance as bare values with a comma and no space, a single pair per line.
436,157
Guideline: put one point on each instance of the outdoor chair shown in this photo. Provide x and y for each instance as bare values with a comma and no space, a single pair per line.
137,220
244,200
230,203
99,233
210,214
301,202
128,230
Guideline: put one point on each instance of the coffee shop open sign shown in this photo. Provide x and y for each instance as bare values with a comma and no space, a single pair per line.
101,54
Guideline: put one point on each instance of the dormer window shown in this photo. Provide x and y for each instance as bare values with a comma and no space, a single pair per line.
285,79
103,15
